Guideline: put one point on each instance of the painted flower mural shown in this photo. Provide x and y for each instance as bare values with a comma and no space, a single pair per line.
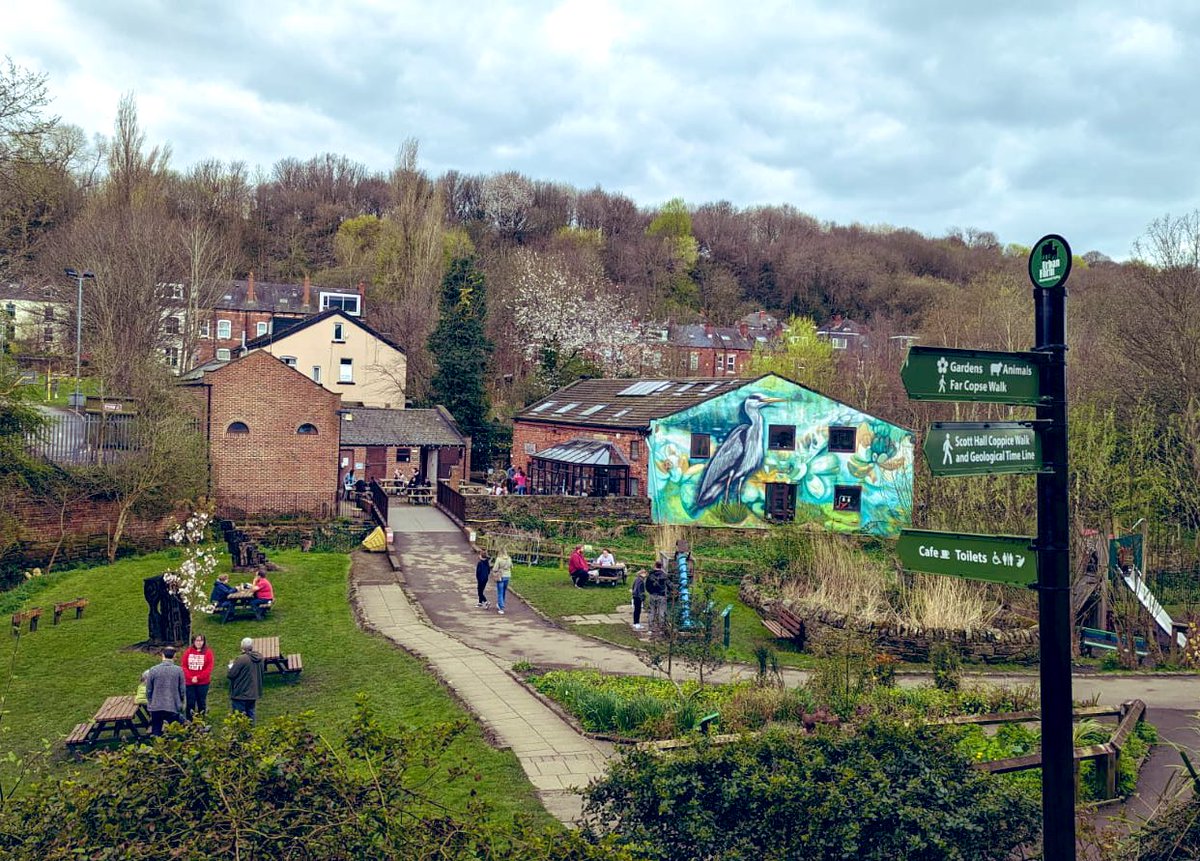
773,450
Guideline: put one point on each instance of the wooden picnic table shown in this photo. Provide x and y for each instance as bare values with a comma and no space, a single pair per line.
608,574
420,495
119,716
286,665
241,601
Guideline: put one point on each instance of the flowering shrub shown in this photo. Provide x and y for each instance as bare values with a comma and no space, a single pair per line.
190,580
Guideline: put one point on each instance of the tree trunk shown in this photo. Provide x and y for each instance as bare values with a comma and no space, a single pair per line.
114,539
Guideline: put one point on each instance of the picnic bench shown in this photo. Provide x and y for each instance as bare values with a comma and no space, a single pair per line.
289,666
31,616
420,495
607,575
1096,638
784,624
116,718
241,601
77,605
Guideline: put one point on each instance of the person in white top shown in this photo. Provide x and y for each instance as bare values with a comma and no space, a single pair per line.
605,559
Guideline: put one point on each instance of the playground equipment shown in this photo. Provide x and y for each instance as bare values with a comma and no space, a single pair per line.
1137,584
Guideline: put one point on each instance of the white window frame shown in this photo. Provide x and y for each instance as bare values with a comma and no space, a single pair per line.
316,374
346,371
839,343
205,328
224,358
339,333
260,328
290,361
326,297
720,362
694,361
177,291
226,327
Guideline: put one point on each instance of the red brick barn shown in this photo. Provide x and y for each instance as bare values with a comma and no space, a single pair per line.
272,437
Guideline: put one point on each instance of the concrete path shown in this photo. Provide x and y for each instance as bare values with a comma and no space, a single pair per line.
557,759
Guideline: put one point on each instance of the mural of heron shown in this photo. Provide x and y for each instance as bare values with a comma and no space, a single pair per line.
738,457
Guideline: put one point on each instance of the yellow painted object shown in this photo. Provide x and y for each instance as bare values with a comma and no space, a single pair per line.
376,542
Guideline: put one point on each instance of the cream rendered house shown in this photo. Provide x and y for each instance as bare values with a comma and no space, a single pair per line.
344,355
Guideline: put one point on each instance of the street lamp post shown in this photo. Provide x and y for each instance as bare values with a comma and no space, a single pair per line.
76,399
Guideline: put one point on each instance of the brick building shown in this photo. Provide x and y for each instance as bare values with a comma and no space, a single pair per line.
375,443
250,309
276,454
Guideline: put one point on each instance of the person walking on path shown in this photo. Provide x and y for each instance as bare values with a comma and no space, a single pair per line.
577,567
639,594
483,570
503,571
197,675
656,588
245,676
164,691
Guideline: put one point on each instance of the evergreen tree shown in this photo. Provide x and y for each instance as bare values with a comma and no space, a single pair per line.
461,350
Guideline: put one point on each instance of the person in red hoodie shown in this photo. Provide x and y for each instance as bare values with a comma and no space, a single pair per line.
264,594
577,567
197,666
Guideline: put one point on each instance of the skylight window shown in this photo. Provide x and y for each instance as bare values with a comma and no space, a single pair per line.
684,388
710,387
567,408
544,407
595,408
620,413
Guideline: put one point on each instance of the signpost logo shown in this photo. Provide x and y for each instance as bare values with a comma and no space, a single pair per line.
1050,262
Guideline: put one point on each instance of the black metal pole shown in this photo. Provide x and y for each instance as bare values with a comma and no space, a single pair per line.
1054,582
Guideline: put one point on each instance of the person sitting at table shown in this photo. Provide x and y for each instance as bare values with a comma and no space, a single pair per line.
577,567
263,594
605,559
221,591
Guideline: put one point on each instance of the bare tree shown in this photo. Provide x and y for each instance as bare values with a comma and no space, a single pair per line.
206,254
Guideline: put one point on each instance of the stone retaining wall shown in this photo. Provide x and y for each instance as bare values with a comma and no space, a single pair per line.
988,645
511,510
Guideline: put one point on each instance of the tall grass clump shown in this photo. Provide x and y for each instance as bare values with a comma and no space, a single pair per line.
838,576
948,603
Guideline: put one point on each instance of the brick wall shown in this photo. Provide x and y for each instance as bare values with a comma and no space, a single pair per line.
271,462
543,436
87,526
240,322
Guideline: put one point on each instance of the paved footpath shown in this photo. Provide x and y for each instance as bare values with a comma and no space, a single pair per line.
556,758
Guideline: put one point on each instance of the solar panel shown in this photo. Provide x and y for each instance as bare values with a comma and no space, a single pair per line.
643,387
595,408
567,408
545,406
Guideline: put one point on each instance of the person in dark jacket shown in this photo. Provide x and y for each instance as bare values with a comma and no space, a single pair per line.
483,570
656,589
164,691
221,591
245,676
639,595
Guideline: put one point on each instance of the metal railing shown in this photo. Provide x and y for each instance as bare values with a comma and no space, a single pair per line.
85,439
451,501
379,503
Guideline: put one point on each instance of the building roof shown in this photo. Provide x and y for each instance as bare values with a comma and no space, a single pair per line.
12,290
586,452
612,403
300,325
378,426
704,335
196,376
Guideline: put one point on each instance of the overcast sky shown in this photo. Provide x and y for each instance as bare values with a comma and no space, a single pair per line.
1013,117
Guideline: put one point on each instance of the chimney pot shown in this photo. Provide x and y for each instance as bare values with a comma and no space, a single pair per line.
743,330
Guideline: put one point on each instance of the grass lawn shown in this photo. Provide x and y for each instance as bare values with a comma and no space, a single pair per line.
551,592
62,674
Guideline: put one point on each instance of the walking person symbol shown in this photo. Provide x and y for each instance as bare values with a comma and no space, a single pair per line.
947,452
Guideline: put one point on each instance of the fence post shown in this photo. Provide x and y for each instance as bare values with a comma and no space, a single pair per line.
725,615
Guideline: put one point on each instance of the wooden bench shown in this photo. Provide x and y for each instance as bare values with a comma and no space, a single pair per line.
1095,638
784,624
80,737
77,605
294,664
31,616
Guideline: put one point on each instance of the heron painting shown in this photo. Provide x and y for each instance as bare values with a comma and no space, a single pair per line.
738,457
713,463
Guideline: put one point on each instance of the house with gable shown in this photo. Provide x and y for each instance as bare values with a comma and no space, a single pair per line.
339,351
721,452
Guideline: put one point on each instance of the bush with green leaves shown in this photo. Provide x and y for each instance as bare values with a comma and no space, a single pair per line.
279,791
884,792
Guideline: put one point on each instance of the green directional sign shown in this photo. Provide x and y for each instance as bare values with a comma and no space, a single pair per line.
995,558
983,448
1050,262
983,376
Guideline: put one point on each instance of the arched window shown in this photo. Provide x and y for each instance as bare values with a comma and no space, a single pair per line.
307,428
237,427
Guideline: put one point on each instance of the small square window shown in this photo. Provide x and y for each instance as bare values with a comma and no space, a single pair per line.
635,449
223,355
847,497
205,327
781,437
339,332
225,329
260,329
843,439
701,446
403,454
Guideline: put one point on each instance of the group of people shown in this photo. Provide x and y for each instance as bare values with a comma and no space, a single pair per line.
578,566
650,586
264,593
485,570
176,692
